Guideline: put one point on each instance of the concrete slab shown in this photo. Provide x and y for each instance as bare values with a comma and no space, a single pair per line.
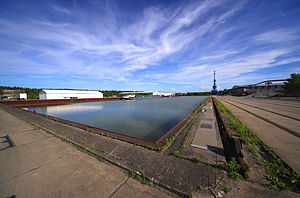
144,191
281,120
286,145
277,106
41,165
31,156
204,140
75,175
8,124
30,136
205,136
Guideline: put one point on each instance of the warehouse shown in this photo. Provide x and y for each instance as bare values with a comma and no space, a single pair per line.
261,89
69,94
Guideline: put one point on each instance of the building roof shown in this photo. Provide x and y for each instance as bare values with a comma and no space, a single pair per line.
57,91
273,84
8,90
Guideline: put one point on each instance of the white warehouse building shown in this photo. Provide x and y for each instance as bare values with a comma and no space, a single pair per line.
68,94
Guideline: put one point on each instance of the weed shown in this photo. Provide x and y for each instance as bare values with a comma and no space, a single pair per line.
227,190
156,174
179,183
233,169
277,172
132,174
191,194
198,158
201,187
147,181
176,153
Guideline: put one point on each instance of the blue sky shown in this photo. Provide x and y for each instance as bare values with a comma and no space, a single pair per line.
147,45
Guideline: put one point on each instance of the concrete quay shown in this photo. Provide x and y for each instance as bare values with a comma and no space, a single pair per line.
167,171
285,144
204,140
41,165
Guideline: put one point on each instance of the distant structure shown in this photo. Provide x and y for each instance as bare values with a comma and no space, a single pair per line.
68,94
214,91
8,94
262,89
133,94
21,96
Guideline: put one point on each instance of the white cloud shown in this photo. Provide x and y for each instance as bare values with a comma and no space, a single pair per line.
277,35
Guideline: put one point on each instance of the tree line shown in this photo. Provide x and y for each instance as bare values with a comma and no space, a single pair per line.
33,93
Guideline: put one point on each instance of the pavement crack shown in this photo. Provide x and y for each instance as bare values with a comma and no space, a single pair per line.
119,187
111,153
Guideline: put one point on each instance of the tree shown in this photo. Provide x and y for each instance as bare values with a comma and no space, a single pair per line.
292,87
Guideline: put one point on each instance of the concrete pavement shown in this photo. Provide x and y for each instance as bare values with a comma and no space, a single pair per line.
41,165
268,111
286,145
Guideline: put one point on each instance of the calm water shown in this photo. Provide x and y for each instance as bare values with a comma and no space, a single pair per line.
147,119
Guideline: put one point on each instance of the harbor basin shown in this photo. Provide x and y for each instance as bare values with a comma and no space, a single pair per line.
147,119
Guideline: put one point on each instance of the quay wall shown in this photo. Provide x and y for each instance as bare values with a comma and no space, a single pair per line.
32,103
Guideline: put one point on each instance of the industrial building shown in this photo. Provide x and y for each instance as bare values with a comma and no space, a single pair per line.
21,96
68,94
8,94
262,89
132,94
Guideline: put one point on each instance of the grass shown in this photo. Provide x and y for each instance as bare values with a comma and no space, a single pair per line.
280,174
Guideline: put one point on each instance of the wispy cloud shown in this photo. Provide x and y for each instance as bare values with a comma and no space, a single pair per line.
277,36
176,44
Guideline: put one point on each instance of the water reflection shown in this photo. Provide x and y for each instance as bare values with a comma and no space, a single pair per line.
148,119
62,109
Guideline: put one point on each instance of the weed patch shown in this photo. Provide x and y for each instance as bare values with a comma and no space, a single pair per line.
280,174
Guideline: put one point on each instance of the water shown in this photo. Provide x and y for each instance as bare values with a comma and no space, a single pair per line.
148,119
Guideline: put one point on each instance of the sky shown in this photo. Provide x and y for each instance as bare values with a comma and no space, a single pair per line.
147,44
